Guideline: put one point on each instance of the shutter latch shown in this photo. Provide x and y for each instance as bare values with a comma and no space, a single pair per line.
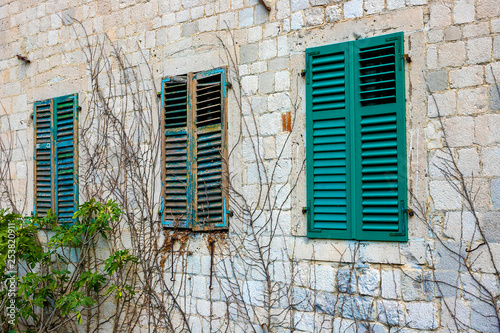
304,210
402,220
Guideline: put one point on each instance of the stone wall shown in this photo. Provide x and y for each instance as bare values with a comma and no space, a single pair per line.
455,51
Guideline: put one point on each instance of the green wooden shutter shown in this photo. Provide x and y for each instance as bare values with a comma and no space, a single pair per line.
175,92
328,114
43,157
210,150
65,157
380,140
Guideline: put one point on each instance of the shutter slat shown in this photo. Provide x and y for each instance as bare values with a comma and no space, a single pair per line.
43,157
65,137
175,175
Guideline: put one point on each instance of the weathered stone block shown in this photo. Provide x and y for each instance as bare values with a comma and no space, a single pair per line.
314,16
299,4
444,104
445,197
491,161
325,302
322,278
297,21
249,53
391,284
452,33
266,83
440,15
422,315
267,49
466,77
369,282
437,80
495,193
282,80
356,307
479,50
451,54
463,11
353,8
395,4
476,30
391,313
250,84
483,317
472,101
333,13
246,17
489,223
487,8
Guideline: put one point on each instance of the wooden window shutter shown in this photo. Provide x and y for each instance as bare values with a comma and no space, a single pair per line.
56,157
380,136
65,155
43,157
356,128
328,114
175,175
210,150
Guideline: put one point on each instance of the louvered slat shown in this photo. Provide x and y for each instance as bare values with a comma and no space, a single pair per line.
43,158
175,174
329,175
209,145
327,158
380,139
65,162
377,72
379,177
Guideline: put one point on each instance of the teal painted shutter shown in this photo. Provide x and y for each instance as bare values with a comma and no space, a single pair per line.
65,159
210,211
175,92
380,140
328,159
43,157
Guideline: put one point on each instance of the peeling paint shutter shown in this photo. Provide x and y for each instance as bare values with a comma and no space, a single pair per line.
328,160
210,152
43,157
380,134
66,163
175,92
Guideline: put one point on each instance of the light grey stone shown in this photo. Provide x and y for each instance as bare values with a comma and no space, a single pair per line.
326,303
346,280
353,8
468,162
319,2
374,6
302,299
422,315
440,15
395,4
463,11
479,50
489,223
495,193
435,35
356,307
266,83
189,29
476,30
246,17
391,284
249,53
496,48
438,80
267,49
484,317
261,15
297,21
451,54
411,285
333,13
459,131
452,33
472,101
391,313
466,77
314,16
495,97
299,4
491,161
487,8
443,104
368,282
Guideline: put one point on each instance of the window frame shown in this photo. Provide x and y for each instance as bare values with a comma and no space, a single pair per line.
355,213
53,103
192,219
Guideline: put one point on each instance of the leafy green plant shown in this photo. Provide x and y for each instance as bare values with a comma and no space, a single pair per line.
60,278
